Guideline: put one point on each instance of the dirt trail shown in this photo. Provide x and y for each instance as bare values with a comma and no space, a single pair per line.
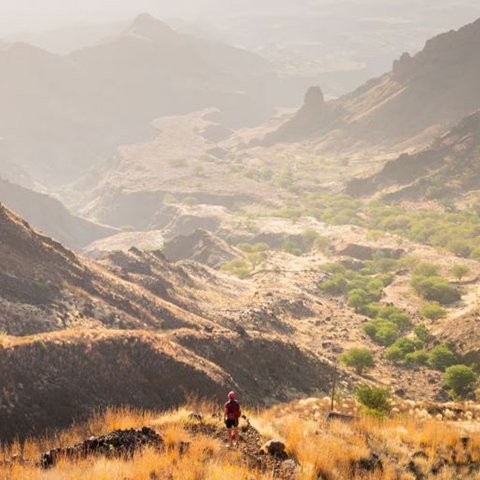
252,448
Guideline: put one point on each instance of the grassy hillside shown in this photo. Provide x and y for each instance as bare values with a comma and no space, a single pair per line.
193,447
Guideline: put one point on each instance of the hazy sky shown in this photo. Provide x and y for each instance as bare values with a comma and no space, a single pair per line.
17,15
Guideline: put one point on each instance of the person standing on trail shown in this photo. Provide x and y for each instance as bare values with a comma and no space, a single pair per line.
232,416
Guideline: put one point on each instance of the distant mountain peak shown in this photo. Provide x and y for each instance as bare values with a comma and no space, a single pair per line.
149,26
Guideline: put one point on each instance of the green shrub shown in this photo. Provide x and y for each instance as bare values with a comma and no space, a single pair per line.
253,248
292,247
322,243
357,299
435,289
383,332
460,379
261,247
475,255
190,201
384,265
441,357
371,309
426,269
309,236
334,268
402,320
238,267
403,346
375,400
337,285
395,315
422,333
417,358
245,247
386,311
460,247
256,258
433,311
360,359
459,271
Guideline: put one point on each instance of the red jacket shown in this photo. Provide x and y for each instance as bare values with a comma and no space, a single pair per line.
232,410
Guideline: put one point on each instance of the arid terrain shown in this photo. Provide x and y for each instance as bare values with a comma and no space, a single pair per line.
169,232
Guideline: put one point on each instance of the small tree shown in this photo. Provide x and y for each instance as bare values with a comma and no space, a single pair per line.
419,357
461,379
460,247
376,400
433,311
459,271
436,289
441,357
422,333
426,269
359,358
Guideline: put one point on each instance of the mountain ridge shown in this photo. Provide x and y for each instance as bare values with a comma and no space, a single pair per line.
422,96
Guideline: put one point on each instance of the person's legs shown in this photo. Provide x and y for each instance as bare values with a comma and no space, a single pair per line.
230,436
237,435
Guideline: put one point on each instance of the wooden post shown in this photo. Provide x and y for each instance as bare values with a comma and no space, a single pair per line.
334,381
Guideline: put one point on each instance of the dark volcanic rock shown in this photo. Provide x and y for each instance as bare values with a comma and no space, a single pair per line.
118,443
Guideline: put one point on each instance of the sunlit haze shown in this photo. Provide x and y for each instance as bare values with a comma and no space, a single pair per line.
239,239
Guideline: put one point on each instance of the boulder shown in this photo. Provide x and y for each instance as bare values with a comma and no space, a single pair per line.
275,447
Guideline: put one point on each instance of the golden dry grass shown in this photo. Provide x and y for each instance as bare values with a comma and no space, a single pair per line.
323,450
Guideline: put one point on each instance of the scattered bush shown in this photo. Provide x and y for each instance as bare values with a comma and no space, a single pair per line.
417,358
245,247
460,247
422,333
403,346
436,289
433,311
238,267
322,243
292,247
426,269
456,231
337,285
253,248
459,271
383,332
190,201
460,379
256,258
441,357
375,400
359,358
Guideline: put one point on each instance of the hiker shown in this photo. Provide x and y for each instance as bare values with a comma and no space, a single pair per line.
232,416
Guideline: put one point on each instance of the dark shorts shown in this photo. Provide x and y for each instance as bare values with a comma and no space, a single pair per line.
231,423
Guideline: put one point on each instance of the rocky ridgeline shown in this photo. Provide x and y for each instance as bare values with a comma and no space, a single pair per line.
120,443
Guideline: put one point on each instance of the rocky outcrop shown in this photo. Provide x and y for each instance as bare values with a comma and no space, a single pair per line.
202,247
313,117
422,97
120,443
366,252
